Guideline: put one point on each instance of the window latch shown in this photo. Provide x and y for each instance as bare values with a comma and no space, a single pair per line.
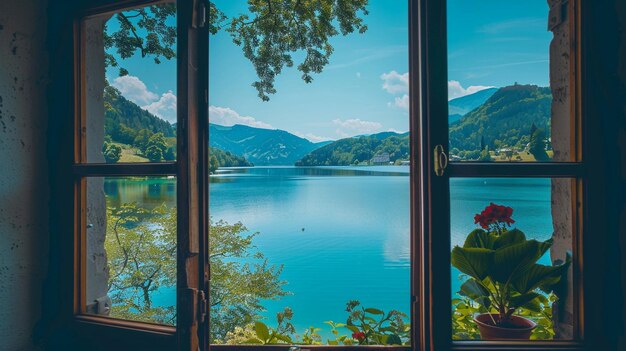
440,160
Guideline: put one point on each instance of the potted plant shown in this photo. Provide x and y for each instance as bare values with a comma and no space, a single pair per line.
504,275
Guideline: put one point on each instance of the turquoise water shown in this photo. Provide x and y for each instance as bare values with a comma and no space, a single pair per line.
341,233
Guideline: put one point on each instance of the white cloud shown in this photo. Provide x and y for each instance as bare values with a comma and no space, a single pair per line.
456,90
394,82
356,126
164,108
134,90
227,117
401,102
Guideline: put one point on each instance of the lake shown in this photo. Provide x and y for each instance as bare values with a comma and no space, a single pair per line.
342,233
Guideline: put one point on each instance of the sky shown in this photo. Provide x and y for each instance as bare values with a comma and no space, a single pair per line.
364,89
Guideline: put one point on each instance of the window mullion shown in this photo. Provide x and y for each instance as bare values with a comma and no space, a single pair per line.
120,169
552,170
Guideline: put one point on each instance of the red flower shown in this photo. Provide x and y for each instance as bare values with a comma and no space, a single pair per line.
358,335
493,215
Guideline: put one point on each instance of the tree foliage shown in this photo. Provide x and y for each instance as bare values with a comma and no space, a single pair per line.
141,253
112,153
242,277
270,34
276,29
149,31
537,144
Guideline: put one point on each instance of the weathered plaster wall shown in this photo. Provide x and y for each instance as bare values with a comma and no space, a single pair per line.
560,59
23,174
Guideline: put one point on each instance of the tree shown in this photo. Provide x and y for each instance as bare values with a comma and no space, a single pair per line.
237,288
170,154
537,144
112,153
141,252
270,35
154,154
156,147
141,140
485,156
213,164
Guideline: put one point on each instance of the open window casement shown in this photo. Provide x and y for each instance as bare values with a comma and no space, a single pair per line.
141,269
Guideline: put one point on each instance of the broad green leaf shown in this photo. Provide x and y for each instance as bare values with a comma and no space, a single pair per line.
515,259
514,236
474,262
476,292
539,276
523,300
262,332
479,238
373,311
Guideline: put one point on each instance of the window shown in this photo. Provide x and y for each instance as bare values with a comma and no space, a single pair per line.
142,243
140,262
506,175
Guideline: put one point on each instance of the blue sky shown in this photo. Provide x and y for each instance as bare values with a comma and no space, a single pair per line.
364,88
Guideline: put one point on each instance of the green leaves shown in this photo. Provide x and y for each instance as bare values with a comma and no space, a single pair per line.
374,311
476,292
503,271
275,30
262,332
475,262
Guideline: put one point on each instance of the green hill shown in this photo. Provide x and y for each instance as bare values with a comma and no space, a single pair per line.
124,119
351,151
504,120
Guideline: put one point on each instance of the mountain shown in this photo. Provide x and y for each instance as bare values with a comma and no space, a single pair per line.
350,151
124,119
504,120
459,107
261,146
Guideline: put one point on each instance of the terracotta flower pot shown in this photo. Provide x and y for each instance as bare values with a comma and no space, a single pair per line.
518,328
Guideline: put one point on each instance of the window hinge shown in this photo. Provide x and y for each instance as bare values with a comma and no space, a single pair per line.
440,160
202,306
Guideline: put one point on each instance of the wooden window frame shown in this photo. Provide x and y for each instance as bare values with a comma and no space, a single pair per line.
190,333
586,171
430,322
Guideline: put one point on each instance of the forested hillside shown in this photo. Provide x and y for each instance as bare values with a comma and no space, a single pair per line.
505,120
356,150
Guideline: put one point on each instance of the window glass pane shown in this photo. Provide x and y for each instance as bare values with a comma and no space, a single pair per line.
499,228
509,88
129,92
310,192
131,248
